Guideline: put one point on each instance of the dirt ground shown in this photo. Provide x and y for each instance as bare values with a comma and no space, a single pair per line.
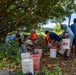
68,67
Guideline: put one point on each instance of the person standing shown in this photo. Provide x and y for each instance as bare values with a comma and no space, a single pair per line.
67,34
73,28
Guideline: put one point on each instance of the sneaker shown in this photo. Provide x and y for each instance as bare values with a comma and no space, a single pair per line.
66,58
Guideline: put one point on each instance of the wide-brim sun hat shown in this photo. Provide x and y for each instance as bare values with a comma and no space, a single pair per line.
29,42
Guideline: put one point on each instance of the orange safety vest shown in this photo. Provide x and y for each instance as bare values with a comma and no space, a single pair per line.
47,40
33,36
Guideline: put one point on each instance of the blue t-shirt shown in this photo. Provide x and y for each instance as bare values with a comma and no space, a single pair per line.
10,37
73,28
54,36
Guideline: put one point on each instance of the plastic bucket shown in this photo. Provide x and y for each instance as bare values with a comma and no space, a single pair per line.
36,59
62,51
53,51
27,66
65,43
39,52
25,55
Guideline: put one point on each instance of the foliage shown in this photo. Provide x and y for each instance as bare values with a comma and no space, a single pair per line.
57,29
16,14
11,48
56,71
8,55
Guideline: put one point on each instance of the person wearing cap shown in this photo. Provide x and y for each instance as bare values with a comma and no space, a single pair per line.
67,34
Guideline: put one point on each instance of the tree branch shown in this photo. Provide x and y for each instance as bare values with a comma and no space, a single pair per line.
7,6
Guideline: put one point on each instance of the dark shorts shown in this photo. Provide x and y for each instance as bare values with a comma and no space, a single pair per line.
74,42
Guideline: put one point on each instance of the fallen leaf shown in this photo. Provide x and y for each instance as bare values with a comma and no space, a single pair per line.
49,65
63,64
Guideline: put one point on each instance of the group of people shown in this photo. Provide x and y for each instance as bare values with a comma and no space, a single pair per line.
20,38
51,39
24,44
68,32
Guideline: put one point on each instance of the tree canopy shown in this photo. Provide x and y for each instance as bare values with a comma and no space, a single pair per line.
28,13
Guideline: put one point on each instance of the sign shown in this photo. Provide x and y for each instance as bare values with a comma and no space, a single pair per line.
65,43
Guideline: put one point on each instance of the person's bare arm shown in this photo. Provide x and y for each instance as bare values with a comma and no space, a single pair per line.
66,28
